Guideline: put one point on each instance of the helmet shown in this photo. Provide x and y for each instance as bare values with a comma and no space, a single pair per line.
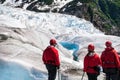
53,41
108,43
91,47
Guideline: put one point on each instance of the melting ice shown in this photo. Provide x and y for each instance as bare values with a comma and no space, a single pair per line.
15,71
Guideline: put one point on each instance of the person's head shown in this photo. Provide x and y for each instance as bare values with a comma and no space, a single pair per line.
91,47
53,42
108,44
91,51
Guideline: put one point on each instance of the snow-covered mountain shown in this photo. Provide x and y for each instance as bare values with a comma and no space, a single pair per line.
24,35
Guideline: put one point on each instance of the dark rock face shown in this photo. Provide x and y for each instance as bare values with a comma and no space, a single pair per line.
96,14
3,37
2,1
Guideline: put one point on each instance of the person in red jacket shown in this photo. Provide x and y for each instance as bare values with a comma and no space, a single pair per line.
92,63
110,62
119,69
51,59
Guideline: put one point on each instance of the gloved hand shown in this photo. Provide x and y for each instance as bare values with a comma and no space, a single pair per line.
84,70
58,67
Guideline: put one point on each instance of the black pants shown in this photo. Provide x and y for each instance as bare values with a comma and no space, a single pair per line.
111,76
52,70
92,76
119,75
111,73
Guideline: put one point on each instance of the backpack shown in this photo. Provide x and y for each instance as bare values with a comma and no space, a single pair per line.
97,68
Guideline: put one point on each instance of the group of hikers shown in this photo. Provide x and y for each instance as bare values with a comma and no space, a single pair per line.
108,62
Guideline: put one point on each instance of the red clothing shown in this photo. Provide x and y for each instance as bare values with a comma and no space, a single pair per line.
119,58
90,62
51,56
110,58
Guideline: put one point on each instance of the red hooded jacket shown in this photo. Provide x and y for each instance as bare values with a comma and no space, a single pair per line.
90,62
119,58
110,58
51,56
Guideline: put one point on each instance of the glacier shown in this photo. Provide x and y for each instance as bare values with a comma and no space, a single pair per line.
28,34
15,71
